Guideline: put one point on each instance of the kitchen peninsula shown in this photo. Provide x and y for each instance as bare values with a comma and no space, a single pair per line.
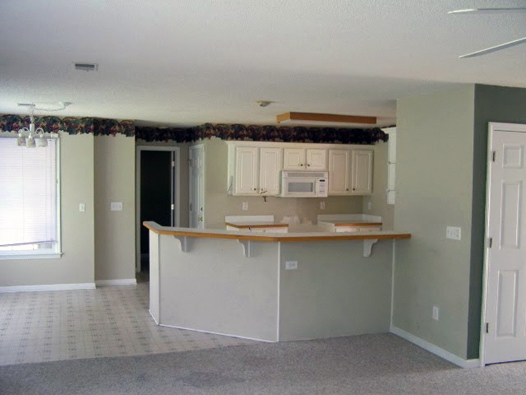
271,286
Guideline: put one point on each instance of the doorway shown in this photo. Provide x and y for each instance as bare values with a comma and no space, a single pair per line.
504,314
157,196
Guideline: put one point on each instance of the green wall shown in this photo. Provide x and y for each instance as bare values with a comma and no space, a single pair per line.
433,179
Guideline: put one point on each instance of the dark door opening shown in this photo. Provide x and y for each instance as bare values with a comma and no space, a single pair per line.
157,196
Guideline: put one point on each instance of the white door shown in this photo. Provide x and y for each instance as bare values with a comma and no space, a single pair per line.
362,172
247,170
317,159
505,313
270,163
339,171
294,159
197,186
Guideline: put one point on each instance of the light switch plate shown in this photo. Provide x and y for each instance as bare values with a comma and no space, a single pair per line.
453,232
82,207
244,206
322,205
116,206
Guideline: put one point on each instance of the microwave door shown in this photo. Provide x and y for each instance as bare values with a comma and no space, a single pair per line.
303,188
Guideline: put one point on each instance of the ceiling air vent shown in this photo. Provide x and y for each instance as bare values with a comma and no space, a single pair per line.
86,66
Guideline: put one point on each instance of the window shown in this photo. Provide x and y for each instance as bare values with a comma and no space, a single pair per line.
29,200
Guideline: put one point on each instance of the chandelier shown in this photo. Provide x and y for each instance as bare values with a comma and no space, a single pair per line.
29,141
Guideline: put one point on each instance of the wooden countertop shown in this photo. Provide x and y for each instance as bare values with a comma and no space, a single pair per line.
276,237
255,225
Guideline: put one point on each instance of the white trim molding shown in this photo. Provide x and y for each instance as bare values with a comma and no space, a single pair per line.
463,363
122,281
50,287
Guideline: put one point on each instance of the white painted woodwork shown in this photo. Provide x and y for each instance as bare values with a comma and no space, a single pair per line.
505,305
361,172
269,170
247,170
391,165
339,172
294,159
316,159
197,186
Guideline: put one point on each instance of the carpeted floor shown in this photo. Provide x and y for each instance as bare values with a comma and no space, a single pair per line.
368,364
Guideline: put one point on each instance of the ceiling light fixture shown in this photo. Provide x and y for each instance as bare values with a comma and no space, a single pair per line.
264,103
30,142
307,117
86,66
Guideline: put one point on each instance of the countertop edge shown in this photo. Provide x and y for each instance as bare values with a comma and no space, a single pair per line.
277,237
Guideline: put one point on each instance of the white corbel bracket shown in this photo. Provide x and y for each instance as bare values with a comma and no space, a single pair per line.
184,243
368,247
247,247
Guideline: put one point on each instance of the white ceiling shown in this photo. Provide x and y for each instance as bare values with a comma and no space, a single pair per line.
187,62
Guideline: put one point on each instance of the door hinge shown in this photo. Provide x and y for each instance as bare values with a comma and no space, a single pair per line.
173,207
487,327
190,206
493,156
173,163
490,242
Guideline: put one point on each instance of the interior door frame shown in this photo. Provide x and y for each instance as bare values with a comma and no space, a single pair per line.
201,147
492,127
176,151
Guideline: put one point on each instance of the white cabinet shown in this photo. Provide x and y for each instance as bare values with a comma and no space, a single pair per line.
339,172
350,172
254,171
270,160
305,159
362,171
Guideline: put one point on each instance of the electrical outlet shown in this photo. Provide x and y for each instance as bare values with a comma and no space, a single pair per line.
322,205
369,205
116,206
436,312
244,206
82,207
291,265
453,232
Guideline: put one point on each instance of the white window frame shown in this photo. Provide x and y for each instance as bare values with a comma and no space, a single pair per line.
42,253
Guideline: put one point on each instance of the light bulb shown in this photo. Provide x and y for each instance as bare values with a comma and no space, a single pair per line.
30,141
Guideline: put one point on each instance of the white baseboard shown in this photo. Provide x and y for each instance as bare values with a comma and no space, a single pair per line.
122,281
463,363
51,287
217,333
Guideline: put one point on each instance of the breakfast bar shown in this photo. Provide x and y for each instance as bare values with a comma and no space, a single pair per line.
272,286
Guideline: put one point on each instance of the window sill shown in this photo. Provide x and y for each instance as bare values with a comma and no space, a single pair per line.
30,256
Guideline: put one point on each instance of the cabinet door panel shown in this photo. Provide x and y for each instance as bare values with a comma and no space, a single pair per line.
317,159
247,170
339,172
294,159
269,170
362,172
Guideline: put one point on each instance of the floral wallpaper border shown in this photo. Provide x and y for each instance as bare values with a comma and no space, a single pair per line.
112,127
263,133
97,126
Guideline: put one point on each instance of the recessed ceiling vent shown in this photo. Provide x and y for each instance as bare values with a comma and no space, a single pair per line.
86,66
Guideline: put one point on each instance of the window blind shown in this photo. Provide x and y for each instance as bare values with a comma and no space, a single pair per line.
28,193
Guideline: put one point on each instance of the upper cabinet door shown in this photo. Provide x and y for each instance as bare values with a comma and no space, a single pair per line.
294,159
317,159
270,164
339,172
247,170
362,172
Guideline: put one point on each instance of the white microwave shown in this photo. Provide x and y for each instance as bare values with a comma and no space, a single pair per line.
304,184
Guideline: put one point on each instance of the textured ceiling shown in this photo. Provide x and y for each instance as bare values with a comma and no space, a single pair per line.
186,62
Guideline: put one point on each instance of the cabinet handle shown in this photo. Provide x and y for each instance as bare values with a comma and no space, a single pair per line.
308,165
301,165
254,189
347,189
